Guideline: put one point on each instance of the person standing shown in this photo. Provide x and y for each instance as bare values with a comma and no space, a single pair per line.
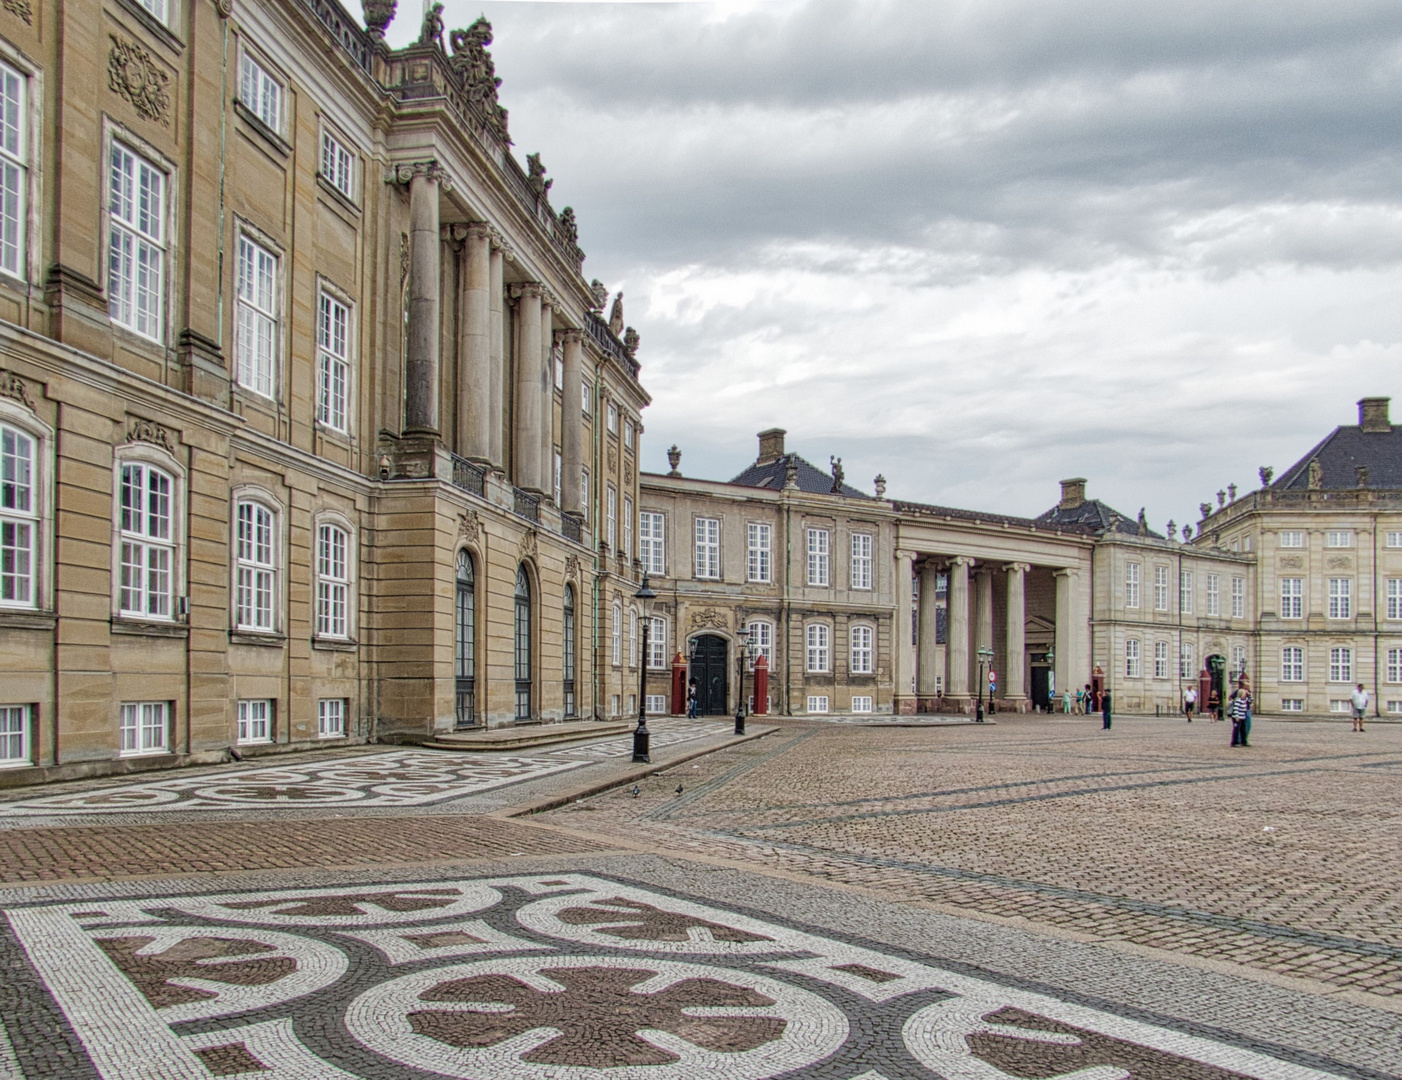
1240,710
1105,709
1066,702
1190,702
691,699
1360,707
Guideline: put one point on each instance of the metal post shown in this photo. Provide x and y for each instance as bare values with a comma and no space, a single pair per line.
641,736
740,697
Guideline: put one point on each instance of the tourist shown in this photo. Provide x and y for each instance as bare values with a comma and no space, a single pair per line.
1190,702
1066,702
1105,710
691,699
1241,715
1360,707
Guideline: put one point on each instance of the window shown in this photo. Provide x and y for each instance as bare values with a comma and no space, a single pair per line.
657,643
1238,660
332,582
333,361
143,729
584,493
757,544
558,354
1160,659
611,516
1339,538
1292,704
559,477
1186,668
862,651
1238,598
818,558
1340,598
1394,598
861,560
656,704
465,640
522,645
256,569
255,721
586,398
817,703
1394,706
337,165
863,704
612,415
627,527
136,243
1292,664
708,548
628,434
157,8
331,718
632,638
1185,592
1160,588
19,518
615,704
1340,705
1214,600
1131,658
260,93
1394,539
1340,664
762,640
14,182
1292,598
147,544
1394,665
255,328
651,533
1292,539
819,651
1131,585
617,634
14,735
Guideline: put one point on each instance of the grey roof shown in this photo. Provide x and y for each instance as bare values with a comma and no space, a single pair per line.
1342,452
1094,514
811,479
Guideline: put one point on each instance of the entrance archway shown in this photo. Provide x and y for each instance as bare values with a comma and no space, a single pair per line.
710,667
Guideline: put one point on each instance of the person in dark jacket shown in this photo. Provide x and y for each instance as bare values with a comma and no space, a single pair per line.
1105,709
1240,709
691,699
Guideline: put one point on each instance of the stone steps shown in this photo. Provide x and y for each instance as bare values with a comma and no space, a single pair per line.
529,736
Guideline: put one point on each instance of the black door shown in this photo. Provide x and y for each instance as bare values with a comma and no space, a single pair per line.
710,667
1217,670
1041,688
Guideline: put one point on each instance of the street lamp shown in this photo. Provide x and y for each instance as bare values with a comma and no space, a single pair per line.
642,737
743,655
985,657
1051,680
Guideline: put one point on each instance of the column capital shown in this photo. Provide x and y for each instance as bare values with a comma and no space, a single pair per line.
962,560
1066,572
569,336
405,171
526,288
454,233
548,298
1017,567
901,553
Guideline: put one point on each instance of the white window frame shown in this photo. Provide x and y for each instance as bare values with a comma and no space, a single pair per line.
628,434
707,548
1214,594
1160,588
1292,598
334,361
652,535
1291,538
818,704
586,397
632,638
617,641
1132,585
261,92
759,538
657,659
1338,538
156,9
818,639
559,473
584,492
1292,704
1187,662
140,540
1340,598
1160,659
627,526
257,280
611,418
1238,659
14,171
1341,664
255,721
335,581
611,517
331,718
819,557
16,722
863,546
1185,591
138,239
1394,665
1238,598
863,703
655,704
863,651
761,641
1131,658
1394,540
143,728
257,564
1292,663
23,508
1394,598
337,165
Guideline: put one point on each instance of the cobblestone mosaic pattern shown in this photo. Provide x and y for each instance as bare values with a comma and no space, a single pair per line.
544,976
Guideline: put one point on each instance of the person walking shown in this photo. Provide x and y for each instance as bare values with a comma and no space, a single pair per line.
1360,707
1190,702
1105,710
1080,701
1240,710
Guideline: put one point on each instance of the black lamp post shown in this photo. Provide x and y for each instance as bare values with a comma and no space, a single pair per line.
985,656
743,654
641,736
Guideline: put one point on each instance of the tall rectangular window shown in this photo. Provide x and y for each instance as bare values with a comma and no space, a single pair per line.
14,183
143,728
819,557
1214,598
757,555
611,517
628,433
14,735
1394,598
1341,664
332,582
861,560
708,548
1186,668
148,548
1340,598
1394,665
337,165
1292,598
1238,660
1160,588
863,650
1131,585
333,361
1394,539
255,326
19,518
1292,539
819,647
1185,592
617,636
651,542
1338,538
260,93
762,640
1292,664
1160,659
627,527
331,718
559,473
1238,598
135,243
657,643
256,570
1131,658
584,493
255,721
611,418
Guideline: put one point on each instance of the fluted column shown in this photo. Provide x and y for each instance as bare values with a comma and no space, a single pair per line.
474,345
927,664
957,635
421,354
983,619
525,450
1015,686
572,423
1063,665
547,397
904,648
496,357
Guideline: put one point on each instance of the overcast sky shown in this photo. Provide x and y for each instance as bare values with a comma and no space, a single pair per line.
981,245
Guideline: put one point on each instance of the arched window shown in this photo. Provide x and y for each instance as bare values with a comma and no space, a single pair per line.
523,645
148,542
332,581
257,568
464,647
569,639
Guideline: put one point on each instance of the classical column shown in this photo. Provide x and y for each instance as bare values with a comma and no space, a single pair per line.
905,648
547,397
1015,689
926,663
421,354
957,628
1062,666
572,423
525,449
474,345
496,357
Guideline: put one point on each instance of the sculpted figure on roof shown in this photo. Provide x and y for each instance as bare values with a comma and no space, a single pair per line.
473,62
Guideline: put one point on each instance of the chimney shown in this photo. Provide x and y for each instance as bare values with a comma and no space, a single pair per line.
1073,493
1372,414
771,445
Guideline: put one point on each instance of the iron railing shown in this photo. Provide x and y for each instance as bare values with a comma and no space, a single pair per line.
344,29
469,477
572,528
526,505
603,337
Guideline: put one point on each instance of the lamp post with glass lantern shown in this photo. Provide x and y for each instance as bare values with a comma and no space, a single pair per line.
742,657
641,736
985,658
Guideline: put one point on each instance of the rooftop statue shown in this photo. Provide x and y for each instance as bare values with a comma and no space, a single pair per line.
631,341
432,32
837,474
616,316
378,15
535,176
569,226
471,60
599,291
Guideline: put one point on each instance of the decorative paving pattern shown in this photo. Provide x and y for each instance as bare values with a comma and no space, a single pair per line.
395,778
537,977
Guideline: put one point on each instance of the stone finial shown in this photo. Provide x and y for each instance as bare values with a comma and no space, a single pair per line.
631,341
1187,533
1265,472
378,15
674,458
1173,530
1204,510
1361,471
791,475
1231,493
598,291
1143,523
432,30
835,463
1316,475
880,483
616,316
474,64
1221,497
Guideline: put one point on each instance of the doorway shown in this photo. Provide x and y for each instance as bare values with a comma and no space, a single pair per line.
1041,688
710,667
1216,667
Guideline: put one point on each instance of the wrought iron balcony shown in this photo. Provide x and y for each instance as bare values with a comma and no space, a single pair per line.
572,526
526,504
469,477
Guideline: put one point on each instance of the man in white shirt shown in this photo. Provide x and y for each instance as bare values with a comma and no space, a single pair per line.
1190,702
1360,707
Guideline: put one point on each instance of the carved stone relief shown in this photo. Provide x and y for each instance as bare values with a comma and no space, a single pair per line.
1339,562
528,545
1292,562
709,617
571,568
151,432
133,74
12,386
20,8
469,528
613,459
